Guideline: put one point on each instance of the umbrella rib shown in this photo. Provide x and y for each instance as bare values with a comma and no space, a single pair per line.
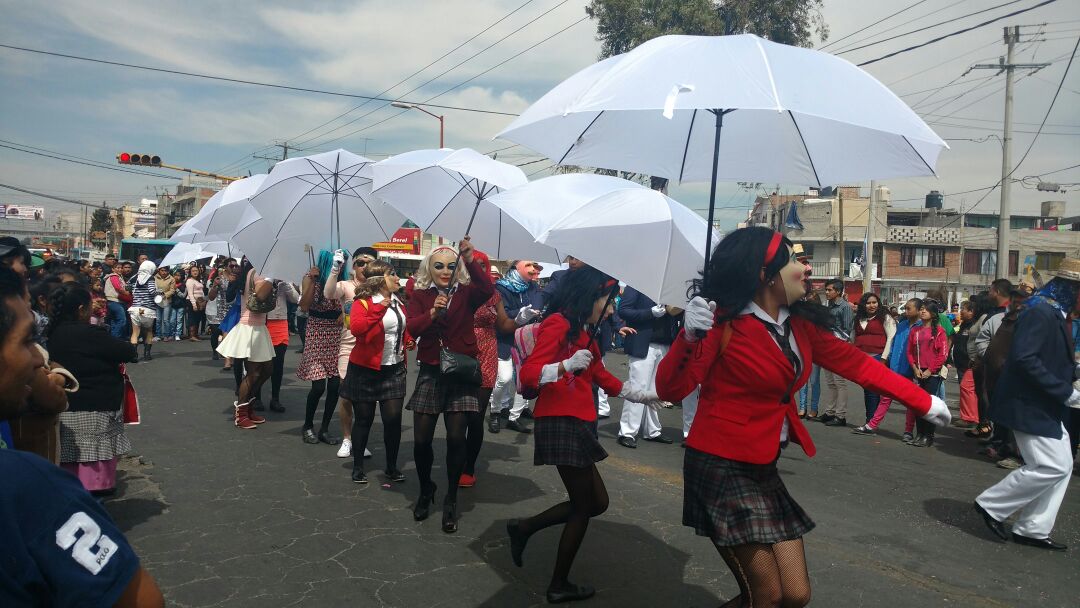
284,221
686,147
908,142
807,150
568,150
401,177
768,70
444,207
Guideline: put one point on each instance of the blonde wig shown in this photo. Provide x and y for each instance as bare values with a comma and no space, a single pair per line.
424,274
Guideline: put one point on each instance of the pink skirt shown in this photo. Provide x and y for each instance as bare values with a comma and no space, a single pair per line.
97,475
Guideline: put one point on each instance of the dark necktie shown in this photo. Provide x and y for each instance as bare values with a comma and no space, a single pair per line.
783,340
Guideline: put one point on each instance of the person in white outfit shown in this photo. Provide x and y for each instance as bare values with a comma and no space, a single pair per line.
656,327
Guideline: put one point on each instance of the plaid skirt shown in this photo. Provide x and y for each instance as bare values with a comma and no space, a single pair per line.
565,441
365,385
736,503
92,436
436,393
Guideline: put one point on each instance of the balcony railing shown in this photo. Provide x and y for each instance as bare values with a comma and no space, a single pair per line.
833,269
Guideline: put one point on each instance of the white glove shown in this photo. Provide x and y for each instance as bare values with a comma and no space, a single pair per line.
698,317
339,260
658,311
525,314
578,361
939,413
1074,399
637,395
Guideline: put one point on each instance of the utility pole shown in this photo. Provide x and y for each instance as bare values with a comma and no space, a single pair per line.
868,249
284,152
1006,65
840,204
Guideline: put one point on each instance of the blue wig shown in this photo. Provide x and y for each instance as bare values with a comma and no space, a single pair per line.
326,261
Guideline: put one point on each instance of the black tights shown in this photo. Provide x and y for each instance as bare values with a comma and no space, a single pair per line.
768,575
364,417
318,387
423,433
588,498
277,373
238,372
475,432
257,374
215,336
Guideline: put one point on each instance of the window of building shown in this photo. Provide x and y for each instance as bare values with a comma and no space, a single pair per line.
922,257
1014,263
980,221
978,261
902,219
1023,223
1048,260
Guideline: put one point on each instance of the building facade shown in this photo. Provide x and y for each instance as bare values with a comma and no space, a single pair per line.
190,196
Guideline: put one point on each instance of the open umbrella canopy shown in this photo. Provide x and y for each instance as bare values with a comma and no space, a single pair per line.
633,233
788,114
225,209
445,192
185,253
324,201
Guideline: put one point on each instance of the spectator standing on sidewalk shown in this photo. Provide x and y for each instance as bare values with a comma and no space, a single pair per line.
166,287
835,393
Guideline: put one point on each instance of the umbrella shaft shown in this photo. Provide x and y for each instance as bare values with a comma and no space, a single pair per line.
712,193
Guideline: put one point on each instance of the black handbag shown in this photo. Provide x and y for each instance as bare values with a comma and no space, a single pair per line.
462,368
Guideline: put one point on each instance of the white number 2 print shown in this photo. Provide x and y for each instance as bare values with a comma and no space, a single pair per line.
84,552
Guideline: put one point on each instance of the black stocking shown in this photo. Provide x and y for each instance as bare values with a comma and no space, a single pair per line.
456,424
768,575
332,385
475,434
364,416
279,371
318,387
423,455
238,372
215,337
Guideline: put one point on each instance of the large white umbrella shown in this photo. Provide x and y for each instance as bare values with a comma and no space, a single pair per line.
729,108
224,210
638,235
324,201
445,192
185,253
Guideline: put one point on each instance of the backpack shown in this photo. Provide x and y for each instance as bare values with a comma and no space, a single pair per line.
524,343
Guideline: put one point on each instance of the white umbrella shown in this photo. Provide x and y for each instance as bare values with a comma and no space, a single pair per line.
551,269
638,235
732,108
324,201
185,253
445,192
224,209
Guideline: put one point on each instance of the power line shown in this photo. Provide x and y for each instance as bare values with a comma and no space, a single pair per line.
883,19
1049,109
851,49
77,202
85,162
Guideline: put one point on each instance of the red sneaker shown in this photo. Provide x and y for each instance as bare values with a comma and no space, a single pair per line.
240,418
466,481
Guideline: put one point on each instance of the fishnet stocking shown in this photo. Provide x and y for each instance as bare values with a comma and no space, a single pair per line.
769,576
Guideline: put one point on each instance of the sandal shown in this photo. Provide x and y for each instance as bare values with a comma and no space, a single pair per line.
983,430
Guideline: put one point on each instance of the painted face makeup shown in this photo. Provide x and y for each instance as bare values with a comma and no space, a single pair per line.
793,276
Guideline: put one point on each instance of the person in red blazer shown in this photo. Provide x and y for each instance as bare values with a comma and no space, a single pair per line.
750,343
376,372
564,364
448,290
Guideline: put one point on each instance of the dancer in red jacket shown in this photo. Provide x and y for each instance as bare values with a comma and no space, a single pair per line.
750,343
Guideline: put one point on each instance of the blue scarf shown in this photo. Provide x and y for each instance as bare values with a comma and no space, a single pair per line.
514,282
1059,293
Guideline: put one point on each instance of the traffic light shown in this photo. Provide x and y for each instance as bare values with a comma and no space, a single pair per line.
126,158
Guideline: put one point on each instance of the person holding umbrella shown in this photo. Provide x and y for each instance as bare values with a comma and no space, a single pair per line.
750,341
449,288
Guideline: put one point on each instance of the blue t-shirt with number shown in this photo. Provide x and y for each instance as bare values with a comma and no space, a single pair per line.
59,547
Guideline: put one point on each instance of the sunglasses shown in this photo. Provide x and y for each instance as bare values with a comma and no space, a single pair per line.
441,266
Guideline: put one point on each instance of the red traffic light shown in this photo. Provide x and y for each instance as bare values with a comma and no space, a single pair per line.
125,158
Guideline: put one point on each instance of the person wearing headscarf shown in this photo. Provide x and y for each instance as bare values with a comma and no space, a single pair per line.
143,311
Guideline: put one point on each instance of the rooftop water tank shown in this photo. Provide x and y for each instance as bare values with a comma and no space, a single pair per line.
934,200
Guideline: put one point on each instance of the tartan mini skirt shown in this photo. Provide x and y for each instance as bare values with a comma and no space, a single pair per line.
565,441
436,393
366,385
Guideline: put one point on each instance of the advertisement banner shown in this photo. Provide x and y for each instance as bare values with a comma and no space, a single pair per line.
405,240
22,212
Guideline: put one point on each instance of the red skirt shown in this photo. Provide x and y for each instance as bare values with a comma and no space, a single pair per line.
279,331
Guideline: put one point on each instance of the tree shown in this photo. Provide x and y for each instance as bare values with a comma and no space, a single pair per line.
101,220
624,24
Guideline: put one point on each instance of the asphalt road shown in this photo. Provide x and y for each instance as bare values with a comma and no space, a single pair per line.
224,517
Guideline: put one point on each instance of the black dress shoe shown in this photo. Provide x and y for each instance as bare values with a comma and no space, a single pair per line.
519,426
626,442
328,439
449,517
997,527
660,439
258,406
309,436
493,424
1042,543
517,541
603,416
527,413
395,475
423,505
275,406
837,422
358,476
825,418
571,593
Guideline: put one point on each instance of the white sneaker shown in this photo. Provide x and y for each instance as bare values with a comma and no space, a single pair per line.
367,453
346,448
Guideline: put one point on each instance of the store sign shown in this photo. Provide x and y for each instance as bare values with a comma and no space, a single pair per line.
22,212
405,240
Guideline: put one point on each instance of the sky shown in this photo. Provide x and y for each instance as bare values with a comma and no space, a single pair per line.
442,51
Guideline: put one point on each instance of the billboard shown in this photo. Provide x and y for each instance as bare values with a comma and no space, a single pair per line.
22,212
405,240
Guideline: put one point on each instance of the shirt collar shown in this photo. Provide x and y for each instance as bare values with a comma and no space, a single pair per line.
753,309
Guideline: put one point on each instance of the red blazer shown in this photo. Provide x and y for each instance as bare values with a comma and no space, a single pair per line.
570,395
366,323
456,326
740,414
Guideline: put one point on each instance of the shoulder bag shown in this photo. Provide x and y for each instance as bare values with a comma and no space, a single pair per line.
254,304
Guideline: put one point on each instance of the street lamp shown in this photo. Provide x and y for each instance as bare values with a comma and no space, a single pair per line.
410,106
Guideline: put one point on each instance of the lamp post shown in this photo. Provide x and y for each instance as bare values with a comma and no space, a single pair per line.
409,106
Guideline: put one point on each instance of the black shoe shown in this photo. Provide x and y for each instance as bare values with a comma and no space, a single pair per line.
423,504
358,476
683,443
570,593
603,416
517,541
825,418
493,424
1042,543
214,356
328,439
275,406
923,441
395,475
309,436
626,442
146,356
258,406
997,527
527,413
517,425
449,517
660,439
504,414
837,422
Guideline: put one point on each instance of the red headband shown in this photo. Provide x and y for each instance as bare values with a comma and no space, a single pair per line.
774,246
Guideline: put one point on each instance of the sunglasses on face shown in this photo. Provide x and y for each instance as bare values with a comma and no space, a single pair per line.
441,266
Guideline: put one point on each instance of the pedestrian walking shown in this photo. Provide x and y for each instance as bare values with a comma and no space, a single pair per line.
249,342
319,361
277,323
143,312
759,342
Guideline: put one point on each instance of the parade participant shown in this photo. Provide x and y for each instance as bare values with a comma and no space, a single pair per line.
277,323
376,374
898,362
928,349
449,288
166,287
218,305
196,297
484,322
249,342
759,344
343,292
835,400
874,332
319,361
655,327
92,429
520,296
563,365
143,312
1033,395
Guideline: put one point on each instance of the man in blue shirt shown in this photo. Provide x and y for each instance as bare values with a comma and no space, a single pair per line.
60,548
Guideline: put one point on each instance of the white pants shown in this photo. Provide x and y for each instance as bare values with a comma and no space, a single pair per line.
505,389
603,408
834,397
689,410
642,377
1035,489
